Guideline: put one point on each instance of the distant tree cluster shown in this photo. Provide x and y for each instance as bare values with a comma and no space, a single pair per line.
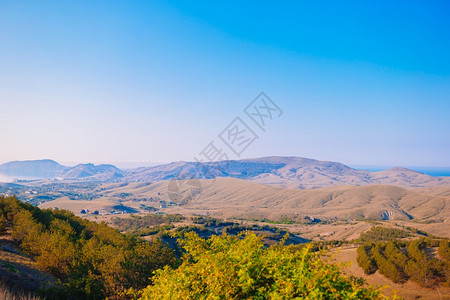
401,261
211,222
379,233
91,260
147,221
162,227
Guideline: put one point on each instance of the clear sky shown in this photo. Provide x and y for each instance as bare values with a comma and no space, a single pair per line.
360,82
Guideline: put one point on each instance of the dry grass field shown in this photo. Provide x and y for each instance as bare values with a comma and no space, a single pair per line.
345,207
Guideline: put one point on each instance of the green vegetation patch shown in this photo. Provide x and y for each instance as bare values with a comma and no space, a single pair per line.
378,233
240,267
401,261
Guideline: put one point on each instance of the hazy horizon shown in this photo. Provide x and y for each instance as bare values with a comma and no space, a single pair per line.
429,170
357,83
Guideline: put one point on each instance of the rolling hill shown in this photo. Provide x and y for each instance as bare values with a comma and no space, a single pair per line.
237,198
229,197
45,168
101,172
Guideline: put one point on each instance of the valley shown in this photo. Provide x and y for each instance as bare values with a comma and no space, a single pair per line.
294,200
321,210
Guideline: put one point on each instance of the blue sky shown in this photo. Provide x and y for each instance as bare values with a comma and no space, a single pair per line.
360,82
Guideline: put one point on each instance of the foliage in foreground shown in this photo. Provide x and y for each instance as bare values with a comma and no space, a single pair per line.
230,267
91,260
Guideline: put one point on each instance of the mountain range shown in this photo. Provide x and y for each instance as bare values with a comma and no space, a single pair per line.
287,172
268,187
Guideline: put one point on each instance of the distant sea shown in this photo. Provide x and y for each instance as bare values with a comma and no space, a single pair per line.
433,171
6,178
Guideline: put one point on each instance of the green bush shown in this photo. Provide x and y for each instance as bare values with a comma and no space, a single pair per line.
229,267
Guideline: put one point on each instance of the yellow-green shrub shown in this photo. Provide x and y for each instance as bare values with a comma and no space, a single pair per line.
226,267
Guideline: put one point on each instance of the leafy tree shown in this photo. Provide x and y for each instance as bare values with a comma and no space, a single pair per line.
444,249
395,255
387,267
28,232
2,224
143,260
9,206
423,270
56,254
365,260
397,260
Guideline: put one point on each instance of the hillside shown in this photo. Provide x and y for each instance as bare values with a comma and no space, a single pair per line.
101,172
237,198
78,258
18,271
229,197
